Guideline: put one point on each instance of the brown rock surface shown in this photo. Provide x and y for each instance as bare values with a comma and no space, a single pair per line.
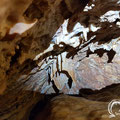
11,12
20,74
18,51
93,107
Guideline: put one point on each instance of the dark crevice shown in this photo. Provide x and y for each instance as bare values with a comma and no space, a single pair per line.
70,81
16,56
39,112
39,108
49,78
54,87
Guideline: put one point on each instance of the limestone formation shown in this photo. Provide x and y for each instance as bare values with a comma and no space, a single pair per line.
36,56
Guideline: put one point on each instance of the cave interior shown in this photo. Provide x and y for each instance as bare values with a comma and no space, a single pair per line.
59,60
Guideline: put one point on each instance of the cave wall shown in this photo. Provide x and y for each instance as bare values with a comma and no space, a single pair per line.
19,50
87,54
18,94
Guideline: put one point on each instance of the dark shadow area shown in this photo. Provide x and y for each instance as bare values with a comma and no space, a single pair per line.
70,81
49,78
39,112
100,52
54,87
13,104
106,94
16,56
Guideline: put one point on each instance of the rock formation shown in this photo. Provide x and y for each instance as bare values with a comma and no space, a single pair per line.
88,105
26,57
